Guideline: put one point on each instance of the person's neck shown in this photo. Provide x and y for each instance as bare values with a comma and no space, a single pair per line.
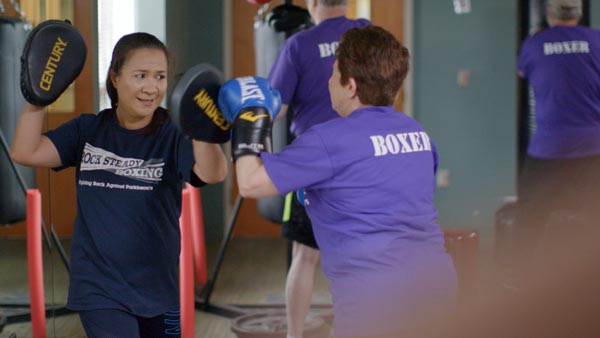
557,22
132,122
327,12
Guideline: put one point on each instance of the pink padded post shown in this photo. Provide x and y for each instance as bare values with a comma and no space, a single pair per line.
34,263
198,235
186,269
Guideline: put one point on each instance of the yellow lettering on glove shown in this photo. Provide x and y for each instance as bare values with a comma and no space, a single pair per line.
252,116
206,103
52,64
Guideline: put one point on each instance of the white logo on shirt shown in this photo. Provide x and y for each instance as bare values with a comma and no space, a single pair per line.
566,47
328,49
93,158
400,143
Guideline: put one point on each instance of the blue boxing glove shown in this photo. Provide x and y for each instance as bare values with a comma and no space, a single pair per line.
250,104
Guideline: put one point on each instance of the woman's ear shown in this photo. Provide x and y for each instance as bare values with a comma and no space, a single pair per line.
113,77
352,87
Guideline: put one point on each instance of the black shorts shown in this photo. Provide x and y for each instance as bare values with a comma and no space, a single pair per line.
299,228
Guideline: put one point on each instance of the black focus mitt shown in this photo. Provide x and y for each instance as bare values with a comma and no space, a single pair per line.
53,57
193,105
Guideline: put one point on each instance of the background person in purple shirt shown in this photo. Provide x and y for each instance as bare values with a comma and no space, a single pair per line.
300,73
562,64
369,179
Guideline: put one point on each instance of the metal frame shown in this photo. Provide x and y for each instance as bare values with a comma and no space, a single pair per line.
51,310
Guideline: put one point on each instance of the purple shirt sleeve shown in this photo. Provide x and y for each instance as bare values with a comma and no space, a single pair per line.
303,164
523,61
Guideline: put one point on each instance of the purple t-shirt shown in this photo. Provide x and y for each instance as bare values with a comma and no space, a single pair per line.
369,182
562,64
302,68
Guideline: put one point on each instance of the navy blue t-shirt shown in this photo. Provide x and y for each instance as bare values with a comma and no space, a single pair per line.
126,239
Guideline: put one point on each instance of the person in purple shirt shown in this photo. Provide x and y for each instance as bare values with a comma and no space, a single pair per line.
369,188
300,73
562,65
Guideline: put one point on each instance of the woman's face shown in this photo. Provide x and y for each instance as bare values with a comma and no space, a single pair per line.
141,86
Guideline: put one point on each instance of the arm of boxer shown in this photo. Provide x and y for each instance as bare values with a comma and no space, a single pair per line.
520,73
29,147
252,178
211,164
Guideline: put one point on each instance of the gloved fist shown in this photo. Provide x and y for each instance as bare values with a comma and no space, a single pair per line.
250,104
245,92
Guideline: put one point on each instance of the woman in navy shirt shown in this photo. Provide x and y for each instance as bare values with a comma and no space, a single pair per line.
131,162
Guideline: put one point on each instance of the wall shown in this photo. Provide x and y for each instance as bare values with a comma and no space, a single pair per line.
474,127
151,17
595,14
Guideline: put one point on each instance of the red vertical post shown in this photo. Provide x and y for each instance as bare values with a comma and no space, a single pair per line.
186,269
34,263
199,243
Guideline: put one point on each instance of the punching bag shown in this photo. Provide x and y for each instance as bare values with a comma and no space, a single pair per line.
267,42
270,32
13,33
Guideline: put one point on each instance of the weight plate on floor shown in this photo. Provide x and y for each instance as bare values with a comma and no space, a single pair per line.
272,324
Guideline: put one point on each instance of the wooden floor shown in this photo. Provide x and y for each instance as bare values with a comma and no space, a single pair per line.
253,273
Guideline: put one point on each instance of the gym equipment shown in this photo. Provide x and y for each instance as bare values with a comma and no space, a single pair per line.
35,269
258,2
193,105
250,104
16,179
266,45
289,18
267,42
270,32
186,267
13,33
53,57
272,324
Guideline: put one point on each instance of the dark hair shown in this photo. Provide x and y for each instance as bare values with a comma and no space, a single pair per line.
377,62
122,51
332,3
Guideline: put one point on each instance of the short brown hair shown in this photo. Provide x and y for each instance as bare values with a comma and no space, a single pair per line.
377,62
565,9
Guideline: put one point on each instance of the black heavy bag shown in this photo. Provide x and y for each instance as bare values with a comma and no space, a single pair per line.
270,33
267,42
13,33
